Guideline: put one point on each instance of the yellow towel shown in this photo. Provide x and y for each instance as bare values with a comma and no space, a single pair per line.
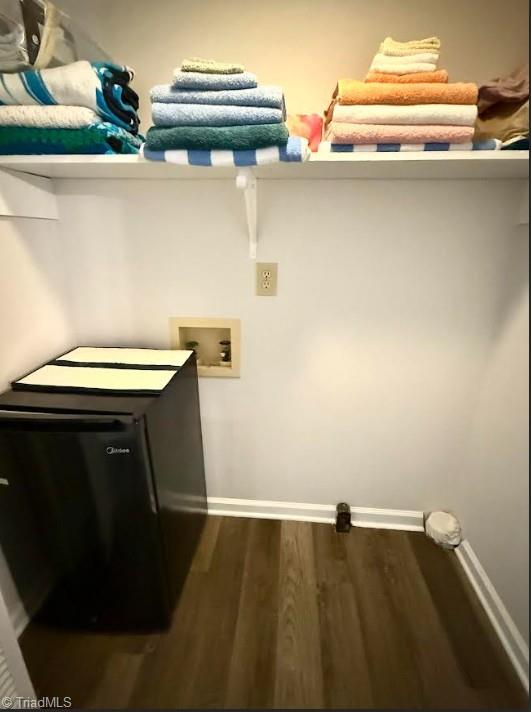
210,66
352,91
402,49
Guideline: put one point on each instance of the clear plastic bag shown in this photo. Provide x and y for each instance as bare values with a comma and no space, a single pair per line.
35,34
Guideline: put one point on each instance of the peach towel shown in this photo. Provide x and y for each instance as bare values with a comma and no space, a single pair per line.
403,49
352,91
440,76
374,133
407,115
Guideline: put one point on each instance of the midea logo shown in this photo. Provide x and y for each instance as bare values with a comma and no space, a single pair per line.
118,451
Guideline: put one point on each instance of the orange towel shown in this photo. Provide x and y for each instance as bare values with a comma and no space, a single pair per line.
352,91
440,76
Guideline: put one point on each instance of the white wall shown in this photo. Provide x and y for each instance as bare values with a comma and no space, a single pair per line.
34,322
303,45
492,492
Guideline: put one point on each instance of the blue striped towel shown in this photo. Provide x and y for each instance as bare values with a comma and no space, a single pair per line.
101,87
264,95
295,151
200,80
210,115
491,144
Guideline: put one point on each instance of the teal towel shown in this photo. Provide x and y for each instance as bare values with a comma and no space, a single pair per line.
102,138
207,138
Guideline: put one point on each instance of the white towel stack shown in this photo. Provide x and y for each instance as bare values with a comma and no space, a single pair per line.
406,57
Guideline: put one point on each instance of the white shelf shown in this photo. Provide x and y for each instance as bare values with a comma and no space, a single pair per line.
342,166
25,176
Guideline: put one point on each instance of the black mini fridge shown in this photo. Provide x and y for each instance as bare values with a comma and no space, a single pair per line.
109,486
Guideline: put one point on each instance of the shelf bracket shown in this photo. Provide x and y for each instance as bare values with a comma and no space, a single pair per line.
246,181
27,196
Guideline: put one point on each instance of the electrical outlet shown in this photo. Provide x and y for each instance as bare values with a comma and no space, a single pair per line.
266,279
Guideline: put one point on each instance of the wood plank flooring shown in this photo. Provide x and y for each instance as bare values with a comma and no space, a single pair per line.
293,615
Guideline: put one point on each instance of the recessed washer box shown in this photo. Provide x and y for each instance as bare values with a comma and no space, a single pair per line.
208,333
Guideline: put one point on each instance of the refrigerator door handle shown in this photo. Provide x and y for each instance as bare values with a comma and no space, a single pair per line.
27,420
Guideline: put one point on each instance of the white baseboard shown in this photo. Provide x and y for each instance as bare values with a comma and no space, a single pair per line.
323,513
509,635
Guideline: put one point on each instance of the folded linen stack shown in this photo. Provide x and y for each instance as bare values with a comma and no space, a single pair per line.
404,104
79,108
215,114
413,61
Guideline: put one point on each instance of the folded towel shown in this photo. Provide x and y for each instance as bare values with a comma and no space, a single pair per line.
413,114
217,82
58,117
375,133
99,86
440,76
295,150
413,68
393,48
212,115
351,91
489,145
210,66
426,57
102,138
207,138
271,96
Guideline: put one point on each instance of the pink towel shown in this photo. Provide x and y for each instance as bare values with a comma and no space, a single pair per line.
372,133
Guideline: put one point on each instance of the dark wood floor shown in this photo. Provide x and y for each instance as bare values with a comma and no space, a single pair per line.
293,615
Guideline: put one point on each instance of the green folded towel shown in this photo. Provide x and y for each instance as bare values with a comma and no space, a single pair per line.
210,66
102,138
208,138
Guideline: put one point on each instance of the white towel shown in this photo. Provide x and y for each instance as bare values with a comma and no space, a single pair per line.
428,57
415,114
405,53
48,117
410,68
